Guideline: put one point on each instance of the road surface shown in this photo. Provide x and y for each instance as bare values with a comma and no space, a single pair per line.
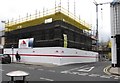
73,72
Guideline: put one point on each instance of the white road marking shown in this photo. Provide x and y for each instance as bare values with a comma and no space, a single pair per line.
70,72
51,70
46,79
93,75
77,68
105,76
75,72
88,69
66,71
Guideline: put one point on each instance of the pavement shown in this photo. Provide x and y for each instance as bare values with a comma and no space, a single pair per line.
112,70
115,71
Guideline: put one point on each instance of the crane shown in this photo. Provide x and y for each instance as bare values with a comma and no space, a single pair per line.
97,4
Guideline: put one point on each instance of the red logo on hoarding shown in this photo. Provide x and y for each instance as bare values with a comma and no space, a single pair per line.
23,42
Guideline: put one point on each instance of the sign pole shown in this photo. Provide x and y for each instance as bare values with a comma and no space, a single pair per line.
12,52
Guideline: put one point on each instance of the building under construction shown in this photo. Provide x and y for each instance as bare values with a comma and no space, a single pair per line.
54,37
53,28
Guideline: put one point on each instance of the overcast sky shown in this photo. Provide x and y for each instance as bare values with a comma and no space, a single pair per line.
12,9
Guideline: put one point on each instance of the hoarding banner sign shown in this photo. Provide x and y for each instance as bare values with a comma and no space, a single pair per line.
26,43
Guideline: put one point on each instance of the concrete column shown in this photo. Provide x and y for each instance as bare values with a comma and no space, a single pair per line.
114,56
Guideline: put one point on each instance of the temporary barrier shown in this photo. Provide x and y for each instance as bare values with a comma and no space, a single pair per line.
54,55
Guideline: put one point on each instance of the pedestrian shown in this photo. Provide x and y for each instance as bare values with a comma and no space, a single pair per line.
17,57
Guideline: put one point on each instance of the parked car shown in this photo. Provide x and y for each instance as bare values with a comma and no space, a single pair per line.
5,58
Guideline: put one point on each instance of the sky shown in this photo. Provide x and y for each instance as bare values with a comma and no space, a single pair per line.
85,9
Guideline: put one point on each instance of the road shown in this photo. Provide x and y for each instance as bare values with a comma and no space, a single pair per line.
73,72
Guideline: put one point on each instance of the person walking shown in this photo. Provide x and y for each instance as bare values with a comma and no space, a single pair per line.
17,57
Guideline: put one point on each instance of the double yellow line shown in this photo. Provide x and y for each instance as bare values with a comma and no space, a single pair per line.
106,70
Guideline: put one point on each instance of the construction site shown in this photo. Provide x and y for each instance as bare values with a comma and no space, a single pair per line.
55,36
49,29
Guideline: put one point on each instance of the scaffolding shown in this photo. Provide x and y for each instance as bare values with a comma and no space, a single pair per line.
58,13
